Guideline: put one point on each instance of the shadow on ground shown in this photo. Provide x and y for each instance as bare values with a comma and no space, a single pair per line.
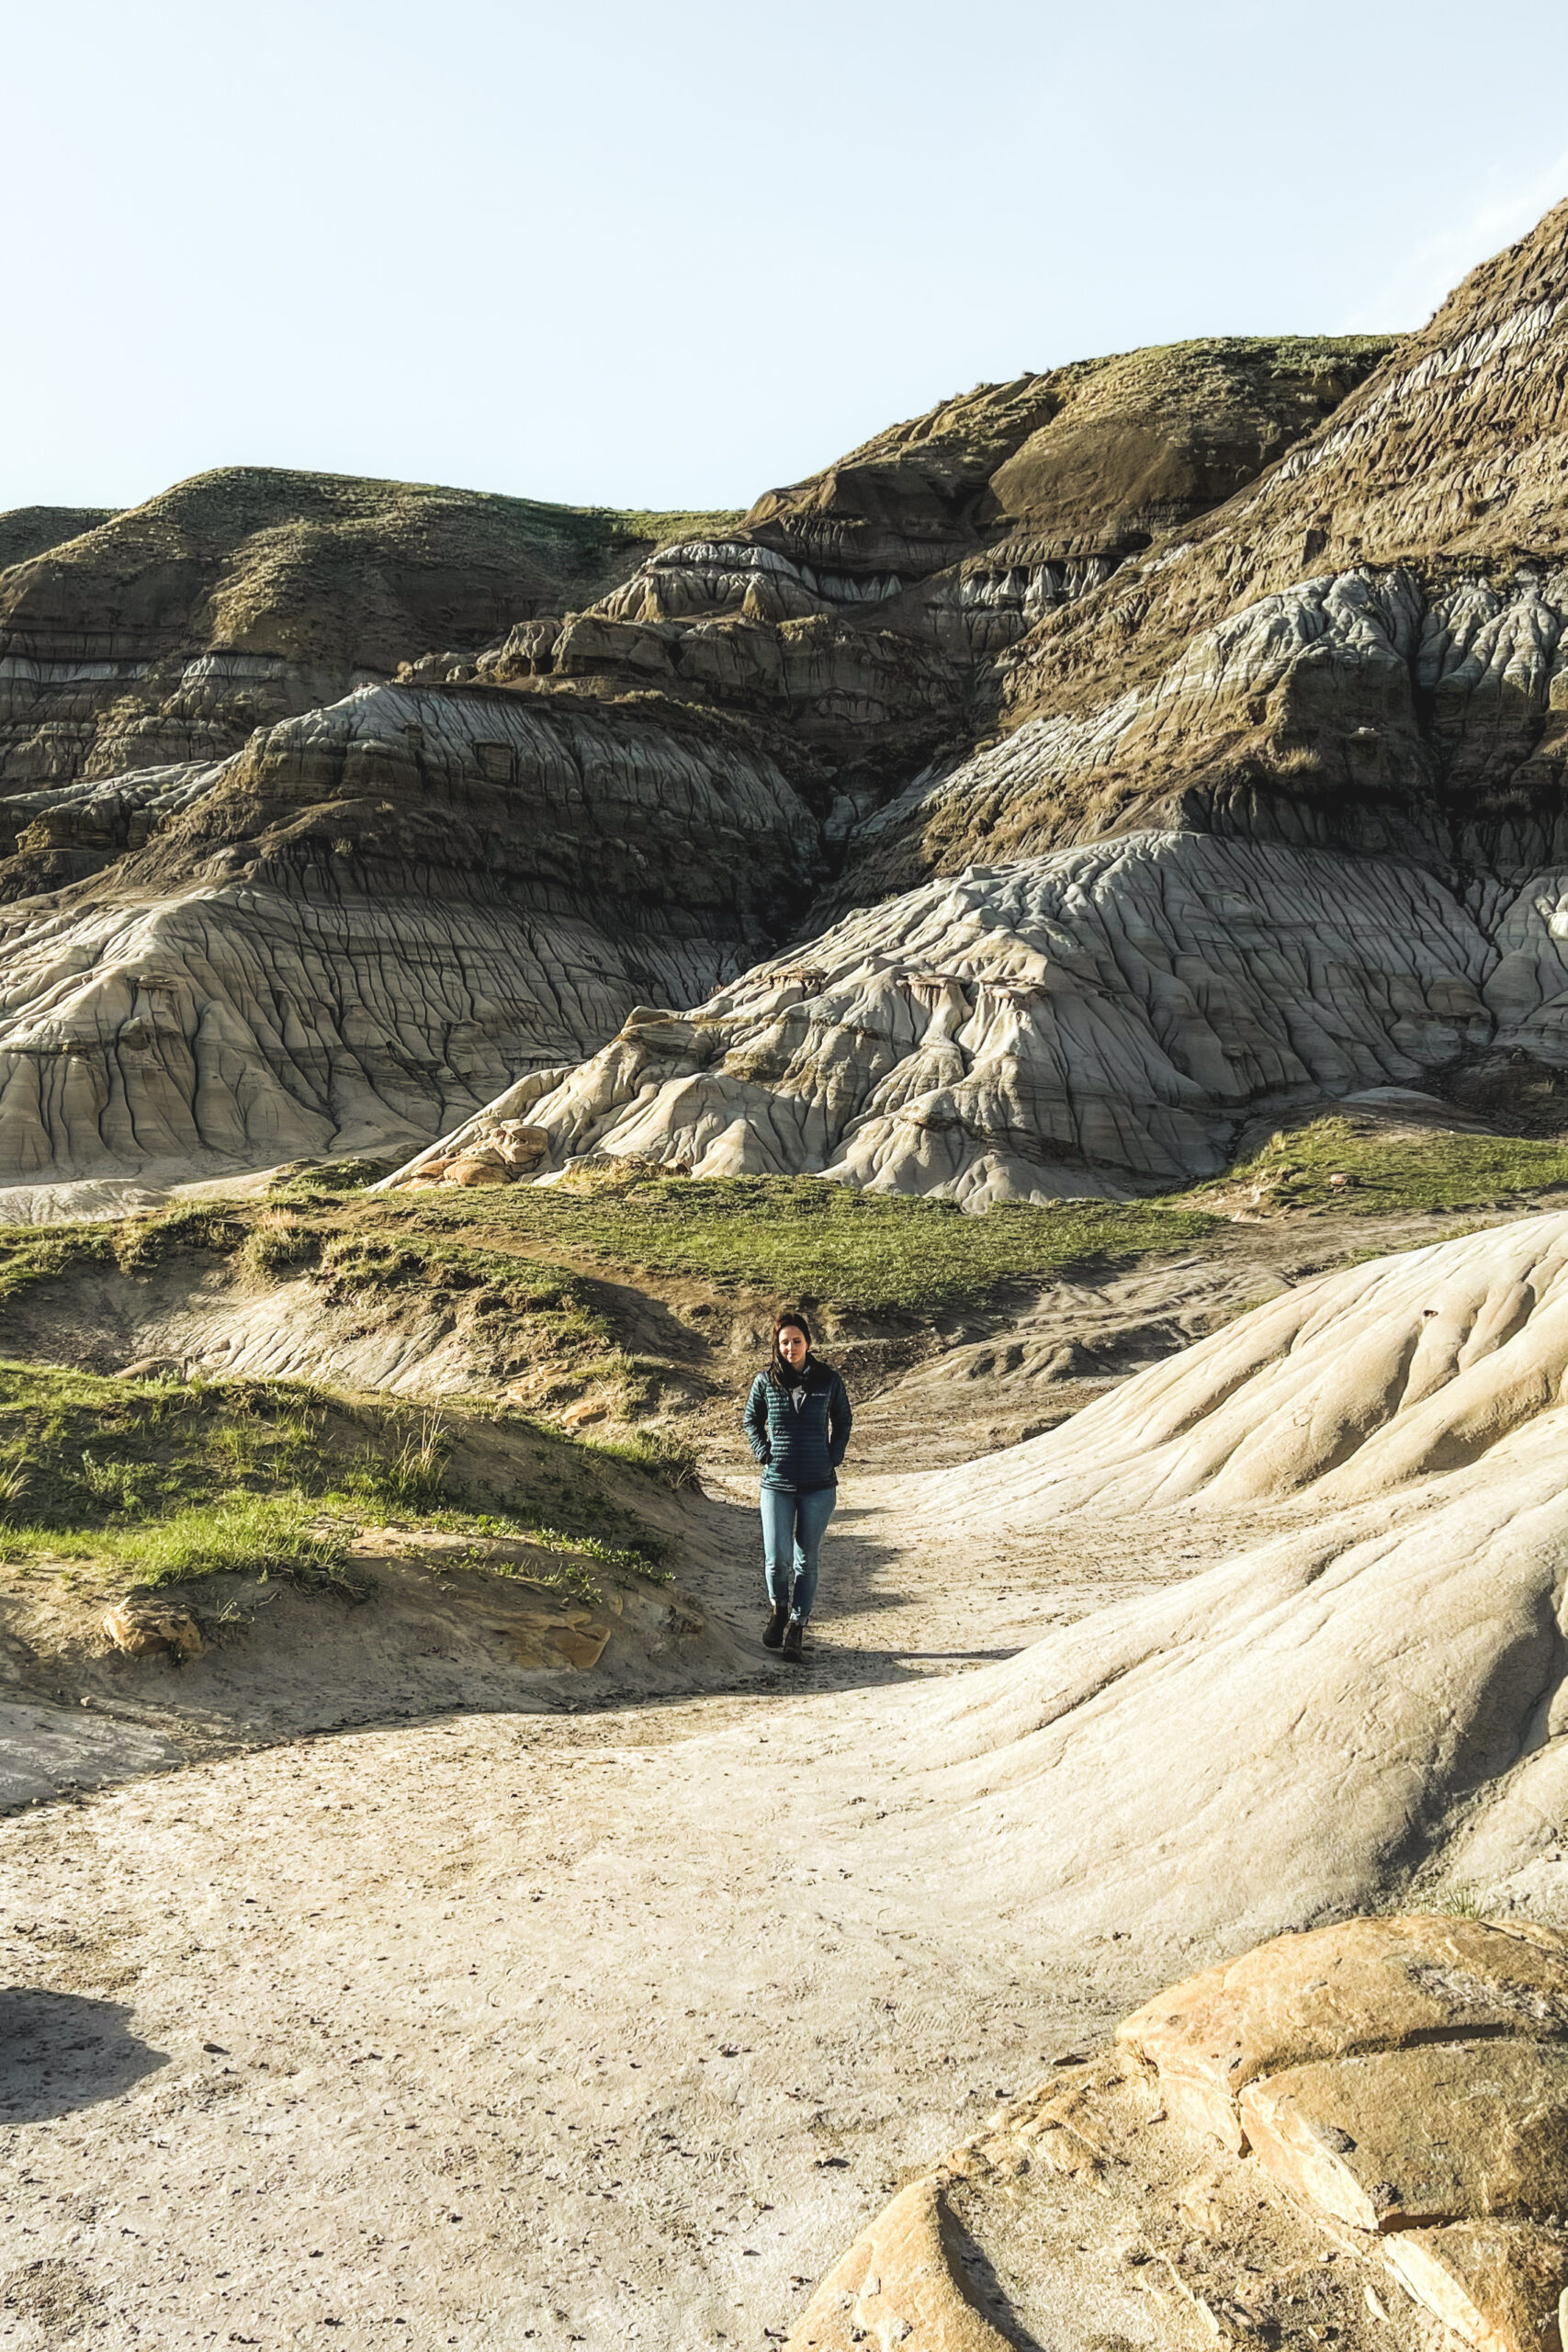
63,2052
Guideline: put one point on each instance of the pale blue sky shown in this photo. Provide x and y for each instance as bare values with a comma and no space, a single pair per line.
671,255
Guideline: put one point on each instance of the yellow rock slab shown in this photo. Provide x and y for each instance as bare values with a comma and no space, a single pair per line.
1366,1984
901,2284
1446,2132
1496,2284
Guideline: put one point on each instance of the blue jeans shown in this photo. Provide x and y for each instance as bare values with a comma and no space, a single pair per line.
792,1528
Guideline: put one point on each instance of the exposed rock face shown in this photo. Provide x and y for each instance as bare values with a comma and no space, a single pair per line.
1349,669
1361,649
376,916
171,631
1371,1685
1095,1021
1350,1992
1354,669
859,604
1100,2203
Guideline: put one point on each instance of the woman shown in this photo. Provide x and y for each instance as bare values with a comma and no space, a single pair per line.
798,1425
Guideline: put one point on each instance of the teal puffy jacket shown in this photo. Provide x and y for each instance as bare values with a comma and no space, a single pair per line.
800,1449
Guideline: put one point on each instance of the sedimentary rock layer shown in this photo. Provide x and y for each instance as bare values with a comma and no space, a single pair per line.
1363,642
1361,710
376,916
1095,1021
859,604
168,631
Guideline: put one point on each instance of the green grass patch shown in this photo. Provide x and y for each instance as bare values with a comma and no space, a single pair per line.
239,1534
801,1238
164,1482
1389,1172
35,1253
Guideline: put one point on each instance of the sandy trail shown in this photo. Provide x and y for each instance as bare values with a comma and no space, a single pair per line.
605,2028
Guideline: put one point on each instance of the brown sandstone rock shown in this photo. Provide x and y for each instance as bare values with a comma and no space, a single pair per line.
1446,2131
521,1147
1496,2284
1334,1992
1077,2215
476,1171
143,1628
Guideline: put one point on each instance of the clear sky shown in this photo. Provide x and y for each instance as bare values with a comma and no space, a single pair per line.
671,256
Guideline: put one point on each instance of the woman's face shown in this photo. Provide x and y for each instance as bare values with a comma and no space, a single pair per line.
792,1345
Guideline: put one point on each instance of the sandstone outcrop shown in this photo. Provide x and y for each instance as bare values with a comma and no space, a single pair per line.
1422,2056
143,1626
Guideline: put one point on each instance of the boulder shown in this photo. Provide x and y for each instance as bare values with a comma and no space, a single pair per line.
1097,2207
471,1169
1338,1993
143,1627
1448,2131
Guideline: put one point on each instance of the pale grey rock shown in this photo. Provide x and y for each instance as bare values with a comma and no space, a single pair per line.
1371,1685
1379,713
115,812
1095,1021
45,1750
498,897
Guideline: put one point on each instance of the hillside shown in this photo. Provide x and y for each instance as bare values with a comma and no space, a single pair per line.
298,862
864,605
168,631
1359,650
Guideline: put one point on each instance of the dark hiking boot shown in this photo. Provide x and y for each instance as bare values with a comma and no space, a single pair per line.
794,1640
774,1631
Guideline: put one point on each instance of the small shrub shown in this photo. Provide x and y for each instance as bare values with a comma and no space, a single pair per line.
414,1479
276,1243
671,1460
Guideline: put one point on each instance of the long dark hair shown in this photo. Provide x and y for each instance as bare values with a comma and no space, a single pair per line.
787,1317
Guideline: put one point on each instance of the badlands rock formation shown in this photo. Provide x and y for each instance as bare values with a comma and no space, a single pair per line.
1365,1690
1349,670
170,631
862,604
1093,1020
360,926
1325,752
1361,649
1345,2133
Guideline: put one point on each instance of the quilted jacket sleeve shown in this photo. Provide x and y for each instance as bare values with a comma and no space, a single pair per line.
755,1420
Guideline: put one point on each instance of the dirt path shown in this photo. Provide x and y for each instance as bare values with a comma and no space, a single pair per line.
540,2028
509,2029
